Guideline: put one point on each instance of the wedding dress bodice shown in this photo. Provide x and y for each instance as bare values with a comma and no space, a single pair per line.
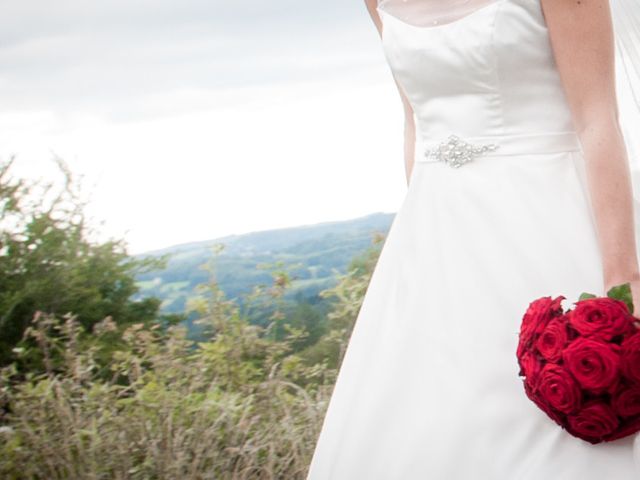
490,73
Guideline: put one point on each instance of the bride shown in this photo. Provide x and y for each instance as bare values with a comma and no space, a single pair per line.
519,187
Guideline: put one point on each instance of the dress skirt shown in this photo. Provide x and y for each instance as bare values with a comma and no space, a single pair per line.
429,387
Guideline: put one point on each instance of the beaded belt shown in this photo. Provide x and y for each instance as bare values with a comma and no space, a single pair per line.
457,151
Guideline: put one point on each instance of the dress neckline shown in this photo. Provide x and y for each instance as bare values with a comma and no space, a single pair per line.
440,26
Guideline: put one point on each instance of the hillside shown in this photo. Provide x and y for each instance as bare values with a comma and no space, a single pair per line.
313,255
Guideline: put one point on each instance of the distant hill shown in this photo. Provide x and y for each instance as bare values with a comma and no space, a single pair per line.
320,251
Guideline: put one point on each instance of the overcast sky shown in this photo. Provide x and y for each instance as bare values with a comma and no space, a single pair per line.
195,119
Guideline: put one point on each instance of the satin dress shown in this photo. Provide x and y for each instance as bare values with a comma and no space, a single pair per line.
497,213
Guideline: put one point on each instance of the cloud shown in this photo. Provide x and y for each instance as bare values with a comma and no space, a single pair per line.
114,57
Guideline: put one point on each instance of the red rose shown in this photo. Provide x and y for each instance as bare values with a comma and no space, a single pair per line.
593,422
530,366
630,353
535,319
601,318
628,428
541,402
559,388
553,339
596,365
626,401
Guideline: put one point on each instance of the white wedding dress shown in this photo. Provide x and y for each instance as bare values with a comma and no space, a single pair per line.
429,387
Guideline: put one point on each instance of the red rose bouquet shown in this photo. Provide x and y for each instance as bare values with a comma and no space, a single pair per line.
582,367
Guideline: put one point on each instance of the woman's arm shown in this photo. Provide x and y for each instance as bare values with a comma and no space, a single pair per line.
409,123
582,37
409,135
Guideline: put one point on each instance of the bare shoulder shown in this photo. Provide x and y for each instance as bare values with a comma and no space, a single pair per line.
371,7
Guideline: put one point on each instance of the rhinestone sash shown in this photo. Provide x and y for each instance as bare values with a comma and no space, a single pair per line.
457,151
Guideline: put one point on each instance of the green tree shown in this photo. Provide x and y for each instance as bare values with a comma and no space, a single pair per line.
49,261
347,297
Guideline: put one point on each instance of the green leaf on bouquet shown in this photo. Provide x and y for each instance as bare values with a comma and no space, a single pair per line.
586,295
622,292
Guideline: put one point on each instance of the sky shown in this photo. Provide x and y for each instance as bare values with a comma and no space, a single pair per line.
195,119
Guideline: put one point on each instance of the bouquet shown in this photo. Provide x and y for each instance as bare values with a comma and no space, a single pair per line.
582,366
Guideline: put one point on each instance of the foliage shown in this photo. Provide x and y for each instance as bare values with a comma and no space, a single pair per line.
139,400
49,262
348,295
232,407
